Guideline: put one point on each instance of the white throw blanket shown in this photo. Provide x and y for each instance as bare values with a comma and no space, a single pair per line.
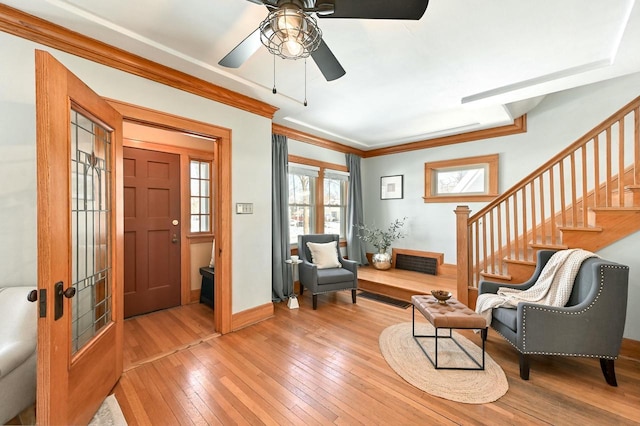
553,287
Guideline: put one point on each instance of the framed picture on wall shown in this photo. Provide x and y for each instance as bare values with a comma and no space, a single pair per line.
391,187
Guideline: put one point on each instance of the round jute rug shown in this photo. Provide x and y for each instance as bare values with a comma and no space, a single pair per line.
404,355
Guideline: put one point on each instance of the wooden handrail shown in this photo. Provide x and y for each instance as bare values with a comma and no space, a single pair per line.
535,212
631,106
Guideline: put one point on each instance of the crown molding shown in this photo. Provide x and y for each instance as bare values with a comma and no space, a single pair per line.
519,126
20,24
314,140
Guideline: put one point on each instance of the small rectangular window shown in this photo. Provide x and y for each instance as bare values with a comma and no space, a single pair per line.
200,190
463,179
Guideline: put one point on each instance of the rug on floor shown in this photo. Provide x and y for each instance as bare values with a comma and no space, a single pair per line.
109,414
384,299
405,357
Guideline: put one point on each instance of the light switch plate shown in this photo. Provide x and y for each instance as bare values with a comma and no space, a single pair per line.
244,208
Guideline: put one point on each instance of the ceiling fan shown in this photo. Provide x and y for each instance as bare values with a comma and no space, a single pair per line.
291,31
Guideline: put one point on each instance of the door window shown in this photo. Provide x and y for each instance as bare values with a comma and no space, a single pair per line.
90,211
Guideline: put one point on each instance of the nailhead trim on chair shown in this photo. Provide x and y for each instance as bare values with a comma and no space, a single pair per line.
524,320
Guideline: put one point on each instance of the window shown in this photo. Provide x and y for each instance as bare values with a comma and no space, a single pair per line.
200,189
463,179
302,201
335,202
317,199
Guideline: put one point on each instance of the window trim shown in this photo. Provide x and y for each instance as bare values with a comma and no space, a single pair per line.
432,168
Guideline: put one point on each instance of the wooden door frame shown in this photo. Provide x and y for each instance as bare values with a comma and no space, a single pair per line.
222,208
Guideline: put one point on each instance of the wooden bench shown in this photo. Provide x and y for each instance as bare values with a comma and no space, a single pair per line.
401,284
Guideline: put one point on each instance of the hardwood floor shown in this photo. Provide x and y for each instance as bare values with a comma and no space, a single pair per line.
147,337
325,367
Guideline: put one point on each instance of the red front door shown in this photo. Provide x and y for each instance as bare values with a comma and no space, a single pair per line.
152,231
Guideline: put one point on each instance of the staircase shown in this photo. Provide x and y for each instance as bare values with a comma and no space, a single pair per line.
587,196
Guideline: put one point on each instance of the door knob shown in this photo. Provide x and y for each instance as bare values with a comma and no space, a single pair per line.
32,296
69,292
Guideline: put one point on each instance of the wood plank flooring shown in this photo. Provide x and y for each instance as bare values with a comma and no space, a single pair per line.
153,335
324,367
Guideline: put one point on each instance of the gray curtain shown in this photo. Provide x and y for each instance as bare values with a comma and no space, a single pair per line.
282,286
355,211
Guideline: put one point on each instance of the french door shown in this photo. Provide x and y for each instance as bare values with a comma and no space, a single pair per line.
80,242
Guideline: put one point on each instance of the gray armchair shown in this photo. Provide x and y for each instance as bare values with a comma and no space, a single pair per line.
590,325
321,281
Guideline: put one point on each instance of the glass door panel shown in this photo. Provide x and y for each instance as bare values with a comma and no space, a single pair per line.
90,229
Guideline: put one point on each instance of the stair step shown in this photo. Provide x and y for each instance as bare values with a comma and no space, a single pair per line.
615,209
499,277
547,243
580,228
520,262
520,255
542,246
547,240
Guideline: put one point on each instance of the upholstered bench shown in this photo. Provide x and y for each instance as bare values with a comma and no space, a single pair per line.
18,338
452,315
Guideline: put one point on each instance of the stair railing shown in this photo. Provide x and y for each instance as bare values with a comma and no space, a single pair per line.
592,172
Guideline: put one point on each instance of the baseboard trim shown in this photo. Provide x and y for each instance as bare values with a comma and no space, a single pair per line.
251,316
630,349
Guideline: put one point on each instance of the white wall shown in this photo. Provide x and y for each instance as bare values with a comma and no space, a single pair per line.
556,122
251,156
314,152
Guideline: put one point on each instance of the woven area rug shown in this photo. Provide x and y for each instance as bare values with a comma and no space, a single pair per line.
109,414
403,354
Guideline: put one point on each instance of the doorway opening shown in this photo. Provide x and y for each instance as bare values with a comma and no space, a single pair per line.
168,236
193,140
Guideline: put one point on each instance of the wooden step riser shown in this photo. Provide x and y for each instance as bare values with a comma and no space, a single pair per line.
615,225
386,290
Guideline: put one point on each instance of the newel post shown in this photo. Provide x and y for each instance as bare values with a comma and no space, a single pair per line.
462,252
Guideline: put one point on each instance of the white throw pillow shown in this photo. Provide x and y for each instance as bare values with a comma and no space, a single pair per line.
212,262
324,255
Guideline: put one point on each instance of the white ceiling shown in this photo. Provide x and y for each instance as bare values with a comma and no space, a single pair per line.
466,65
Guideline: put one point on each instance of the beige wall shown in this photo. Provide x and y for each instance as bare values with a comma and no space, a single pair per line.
200,256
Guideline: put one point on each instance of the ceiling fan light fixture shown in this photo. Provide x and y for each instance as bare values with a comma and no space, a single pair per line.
290,33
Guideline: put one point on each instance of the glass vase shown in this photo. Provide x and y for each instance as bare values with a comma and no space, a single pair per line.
381,260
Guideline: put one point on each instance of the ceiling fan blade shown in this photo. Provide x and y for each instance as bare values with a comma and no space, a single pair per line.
378,9
327,62
243,51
